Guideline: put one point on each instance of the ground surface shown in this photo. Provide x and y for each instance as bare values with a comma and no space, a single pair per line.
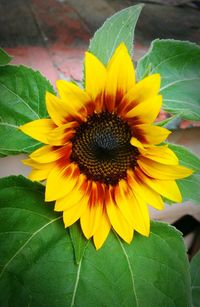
52,35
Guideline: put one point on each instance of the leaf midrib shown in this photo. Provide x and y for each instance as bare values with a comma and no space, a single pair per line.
76,283
26,242
121,29
130,270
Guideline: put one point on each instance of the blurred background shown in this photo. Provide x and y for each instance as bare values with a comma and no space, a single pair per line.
52,35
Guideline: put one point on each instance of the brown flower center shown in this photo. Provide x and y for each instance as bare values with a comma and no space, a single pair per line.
102,149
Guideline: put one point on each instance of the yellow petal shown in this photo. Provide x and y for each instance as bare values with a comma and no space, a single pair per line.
142,222
73,197
70,106
65,88
120,78
95,76
102,232
117,219
72,214
91,219
49,153
167,188
39,129
74,98
143,90
161,171
124,201
135,211
61,181
56,110
37,165
39,174
62,135
31,163
161,154
40,171
147,111
145,192
148,134
136,143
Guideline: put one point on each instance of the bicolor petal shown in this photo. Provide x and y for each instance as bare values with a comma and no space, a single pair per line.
39,129
148,134
120,77
61,181
117,219
95,76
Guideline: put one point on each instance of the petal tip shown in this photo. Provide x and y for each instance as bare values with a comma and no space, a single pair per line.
87,235
49,96
190,172
90,56
48,197
58,82
22,128
134,142
26,129
179,199
97,244
122,46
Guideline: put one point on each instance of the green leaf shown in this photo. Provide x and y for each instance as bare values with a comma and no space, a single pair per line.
170,123
186,157
4,57
195,279
189,186
38,267
78,240
22,99
178,63
116,29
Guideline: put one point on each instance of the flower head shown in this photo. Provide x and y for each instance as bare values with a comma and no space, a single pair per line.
100,159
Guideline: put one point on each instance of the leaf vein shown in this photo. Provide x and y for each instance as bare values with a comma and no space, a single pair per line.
177,81
26,242
161,291
7,124
130,270
118,35
21,99
76,284
169,59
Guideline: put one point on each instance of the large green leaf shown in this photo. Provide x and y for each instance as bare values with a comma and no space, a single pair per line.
179,65
4,57
195,279
22,99
189,186
116,29
38,266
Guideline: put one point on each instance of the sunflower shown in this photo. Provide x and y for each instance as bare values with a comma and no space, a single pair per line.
101,159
